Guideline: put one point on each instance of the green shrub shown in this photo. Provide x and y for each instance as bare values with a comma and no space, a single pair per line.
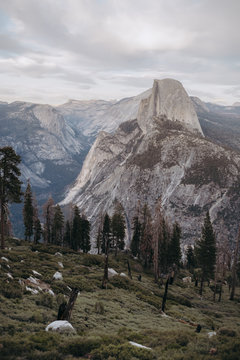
81,346
44,341
227,332
122,352
90,260
11,290
79,282
99,308
37,317
45,300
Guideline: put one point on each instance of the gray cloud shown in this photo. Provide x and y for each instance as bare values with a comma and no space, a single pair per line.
107,47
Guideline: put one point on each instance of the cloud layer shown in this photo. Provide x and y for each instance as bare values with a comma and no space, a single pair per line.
52,50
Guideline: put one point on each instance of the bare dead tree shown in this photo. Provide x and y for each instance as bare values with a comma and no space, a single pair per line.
65,309
234,267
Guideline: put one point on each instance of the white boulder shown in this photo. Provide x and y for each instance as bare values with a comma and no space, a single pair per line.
4,258
57,276
61,326
123,274
32,291
112,272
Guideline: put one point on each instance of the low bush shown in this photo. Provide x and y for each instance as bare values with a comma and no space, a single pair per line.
99,308
121,352
90,260
45,300
227,332
81,346
11,289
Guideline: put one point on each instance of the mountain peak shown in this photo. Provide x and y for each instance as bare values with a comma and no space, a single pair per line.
168,98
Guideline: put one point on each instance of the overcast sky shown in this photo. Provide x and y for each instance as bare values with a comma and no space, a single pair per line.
55,50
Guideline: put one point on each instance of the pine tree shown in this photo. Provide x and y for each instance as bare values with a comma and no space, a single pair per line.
174,246
28,212
99,239
146,245
48,213
58,226
106,233
157,237
135,244
85,235
37,231
164,262
190,258
37,227
118,228
10,185
67,234
106,237
206,251
76,230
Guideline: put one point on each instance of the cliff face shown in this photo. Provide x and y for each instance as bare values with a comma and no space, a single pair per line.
162,153
168,98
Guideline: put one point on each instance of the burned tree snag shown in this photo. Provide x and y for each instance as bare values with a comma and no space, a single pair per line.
165,295
129,269
65,309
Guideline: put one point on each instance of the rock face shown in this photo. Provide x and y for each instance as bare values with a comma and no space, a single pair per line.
168,98
164,157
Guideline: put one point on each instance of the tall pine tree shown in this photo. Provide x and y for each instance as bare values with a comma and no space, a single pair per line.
146,241
135,244
85,235
174,246
10,185
48,214
76,229
58,226
206,251
118,228
28,212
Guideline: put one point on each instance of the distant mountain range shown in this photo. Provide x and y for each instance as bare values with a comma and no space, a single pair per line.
54,141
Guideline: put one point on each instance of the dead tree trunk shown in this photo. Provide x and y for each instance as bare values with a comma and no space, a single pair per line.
129,269
165,295
105,275
234,267
2,227
220,293
65,309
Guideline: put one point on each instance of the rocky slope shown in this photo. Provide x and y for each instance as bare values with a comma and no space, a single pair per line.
48,146
92,116
221,124
162,153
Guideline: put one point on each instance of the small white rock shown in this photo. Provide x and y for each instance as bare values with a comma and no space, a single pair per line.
123,274
211,333
61,326
33,280
51,292
58,254
60,264
57,276
111,272
36,273
4,258
139,345
10,276
33,291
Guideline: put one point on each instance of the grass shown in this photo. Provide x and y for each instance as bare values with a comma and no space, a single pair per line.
106,320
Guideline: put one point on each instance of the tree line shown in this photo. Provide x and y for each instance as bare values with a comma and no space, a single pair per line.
155,242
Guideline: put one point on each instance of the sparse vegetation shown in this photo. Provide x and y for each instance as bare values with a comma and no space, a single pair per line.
107,319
